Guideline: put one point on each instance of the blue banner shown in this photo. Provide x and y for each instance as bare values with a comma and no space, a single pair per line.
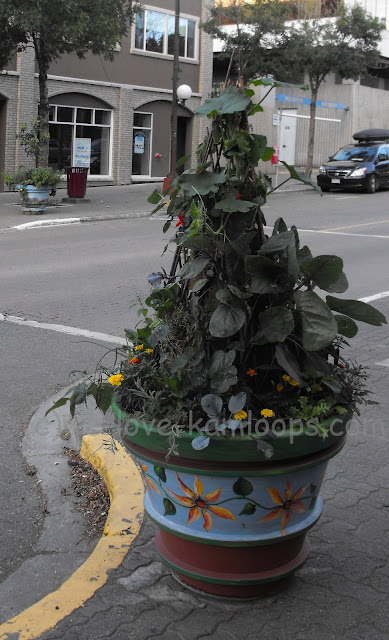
307,101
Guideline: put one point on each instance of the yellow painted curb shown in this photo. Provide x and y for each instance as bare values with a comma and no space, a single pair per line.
123,524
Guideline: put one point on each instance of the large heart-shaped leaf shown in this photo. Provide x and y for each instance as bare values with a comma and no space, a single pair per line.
323,270
234,204
201,183
346,326
318,325
358,310
278,242
288,362
192,268
301,177
223,380
232,99
275,325
158,334
220,361
226,321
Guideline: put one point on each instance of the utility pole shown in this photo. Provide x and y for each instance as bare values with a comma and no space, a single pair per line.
173,131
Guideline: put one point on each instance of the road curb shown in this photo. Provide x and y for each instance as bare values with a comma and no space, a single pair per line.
122,527
37,224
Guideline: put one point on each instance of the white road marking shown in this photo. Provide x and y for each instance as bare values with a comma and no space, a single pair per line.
73,331
377,296
46,223
342,233
384,363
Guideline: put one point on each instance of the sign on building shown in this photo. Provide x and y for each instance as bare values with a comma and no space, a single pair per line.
139,143
82,152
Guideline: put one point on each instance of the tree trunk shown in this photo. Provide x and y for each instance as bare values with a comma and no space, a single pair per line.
43,112
311,132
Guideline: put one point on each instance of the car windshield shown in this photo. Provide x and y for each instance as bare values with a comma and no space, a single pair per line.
356,154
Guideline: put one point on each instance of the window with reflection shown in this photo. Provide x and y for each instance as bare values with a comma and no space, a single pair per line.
154,31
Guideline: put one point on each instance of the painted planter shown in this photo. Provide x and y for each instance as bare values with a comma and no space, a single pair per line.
34,199
232,526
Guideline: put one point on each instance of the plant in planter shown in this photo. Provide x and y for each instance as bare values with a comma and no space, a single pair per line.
234,392
35,186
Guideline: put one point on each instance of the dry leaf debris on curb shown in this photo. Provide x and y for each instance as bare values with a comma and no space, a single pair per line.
91,492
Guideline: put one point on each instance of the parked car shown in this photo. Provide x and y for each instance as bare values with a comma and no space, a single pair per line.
363,165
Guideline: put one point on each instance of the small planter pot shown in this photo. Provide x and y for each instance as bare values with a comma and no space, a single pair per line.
34,199
228,523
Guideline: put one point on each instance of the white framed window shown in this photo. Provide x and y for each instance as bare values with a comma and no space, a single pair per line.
154,34
142,143
67,123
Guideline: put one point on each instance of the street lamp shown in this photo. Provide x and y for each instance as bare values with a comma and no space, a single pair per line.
184,92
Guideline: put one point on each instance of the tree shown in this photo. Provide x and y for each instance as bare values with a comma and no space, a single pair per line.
272,43
258,24
346,45
58,27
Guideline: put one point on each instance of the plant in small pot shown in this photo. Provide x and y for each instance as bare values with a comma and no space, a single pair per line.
35,187
234,392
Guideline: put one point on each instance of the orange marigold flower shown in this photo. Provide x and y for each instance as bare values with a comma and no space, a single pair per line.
134,361
280,387
251,372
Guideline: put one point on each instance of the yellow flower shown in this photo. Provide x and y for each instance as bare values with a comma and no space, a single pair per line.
286,378
316,387
251,372
116,380
280,387
139,347
149,351
267,413
240,415
294,383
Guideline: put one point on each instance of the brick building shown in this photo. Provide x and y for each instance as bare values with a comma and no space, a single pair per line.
122,107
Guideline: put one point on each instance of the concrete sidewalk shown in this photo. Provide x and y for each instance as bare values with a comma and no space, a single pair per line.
341,591
113,202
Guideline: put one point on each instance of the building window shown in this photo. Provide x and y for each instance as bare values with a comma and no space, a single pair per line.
154,32
141,144
68,123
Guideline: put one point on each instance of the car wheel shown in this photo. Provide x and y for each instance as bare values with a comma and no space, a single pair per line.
373,184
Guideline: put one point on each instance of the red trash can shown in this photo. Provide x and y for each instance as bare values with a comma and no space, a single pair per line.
76,181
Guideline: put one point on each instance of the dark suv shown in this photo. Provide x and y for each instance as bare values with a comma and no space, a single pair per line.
363,165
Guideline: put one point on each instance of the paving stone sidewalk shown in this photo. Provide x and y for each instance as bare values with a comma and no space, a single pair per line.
341,591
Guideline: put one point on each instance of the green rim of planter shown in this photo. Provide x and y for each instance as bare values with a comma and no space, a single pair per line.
288,445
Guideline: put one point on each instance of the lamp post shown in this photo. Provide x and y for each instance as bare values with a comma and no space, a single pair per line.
181,94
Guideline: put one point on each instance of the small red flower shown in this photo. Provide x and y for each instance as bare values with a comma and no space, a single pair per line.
180,221
340,365
239,195
134,361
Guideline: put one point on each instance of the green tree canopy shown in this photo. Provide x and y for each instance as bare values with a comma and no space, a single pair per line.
57,27
271,43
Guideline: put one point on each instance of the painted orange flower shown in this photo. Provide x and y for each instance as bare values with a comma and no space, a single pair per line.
149,481
286,505
251,372
199,505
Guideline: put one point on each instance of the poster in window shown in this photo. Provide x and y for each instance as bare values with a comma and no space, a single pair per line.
139,143
82,152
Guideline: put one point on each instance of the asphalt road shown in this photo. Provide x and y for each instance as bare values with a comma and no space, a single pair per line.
89,276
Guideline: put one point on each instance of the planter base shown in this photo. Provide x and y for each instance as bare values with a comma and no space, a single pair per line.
233,572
